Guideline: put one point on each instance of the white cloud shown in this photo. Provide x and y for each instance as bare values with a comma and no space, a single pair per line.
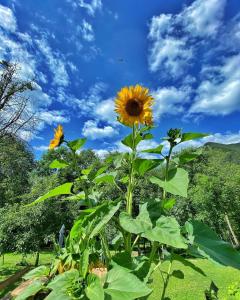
143,145
41,148
26,135
197,31
230,36
55,63
39,98
101,152
105,111
203,18
89,101
16,46
7,19
172,36
55,117
220,94
170,100
91,7
91,53
87,31
168,52
93,132
119,147
222,138
25,37
159,25
17,53
91,104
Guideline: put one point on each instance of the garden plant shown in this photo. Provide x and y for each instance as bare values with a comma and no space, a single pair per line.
92,267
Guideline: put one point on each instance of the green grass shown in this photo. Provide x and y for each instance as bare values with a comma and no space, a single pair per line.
10,266
193,285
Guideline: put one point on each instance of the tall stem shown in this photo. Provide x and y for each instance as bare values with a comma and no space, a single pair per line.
167,280
168,157
153,252
129,197
105,247
165,284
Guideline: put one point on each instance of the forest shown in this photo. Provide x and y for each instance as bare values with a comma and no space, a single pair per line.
213,195
212,198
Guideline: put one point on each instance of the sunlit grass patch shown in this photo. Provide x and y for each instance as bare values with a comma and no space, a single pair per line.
193,285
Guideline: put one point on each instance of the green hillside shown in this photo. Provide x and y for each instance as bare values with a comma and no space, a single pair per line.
227,147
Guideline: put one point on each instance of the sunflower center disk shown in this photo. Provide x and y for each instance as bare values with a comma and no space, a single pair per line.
134,107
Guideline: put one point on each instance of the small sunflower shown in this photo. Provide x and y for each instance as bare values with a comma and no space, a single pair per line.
133,104
58,138
149,119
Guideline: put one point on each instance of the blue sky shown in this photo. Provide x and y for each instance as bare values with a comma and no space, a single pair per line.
81,52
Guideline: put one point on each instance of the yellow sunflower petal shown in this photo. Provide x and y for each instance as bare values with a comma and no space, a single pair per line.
133,104
58,138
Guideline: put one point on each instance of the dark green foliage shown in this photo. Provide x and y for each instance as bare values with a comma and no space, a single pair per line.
16,163
26,229
214,190
225,147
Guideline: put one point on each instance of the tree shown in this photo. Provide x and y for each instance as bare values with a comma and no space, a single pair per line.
16,162
84,160
214,192
15,111
28,229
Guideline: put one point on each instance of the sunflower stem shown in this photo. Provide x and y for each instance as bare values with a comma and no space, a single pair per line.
129,197
168,157
165,285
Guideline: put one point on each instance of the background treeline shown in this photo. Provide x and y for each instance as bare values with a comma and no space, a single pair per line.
214,194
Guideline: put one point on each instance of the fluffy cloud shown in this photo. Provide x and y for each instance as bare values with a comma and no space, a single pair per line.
203,18
119,147
87,31
92,103
167,51
18,53
101,152
89,100
16,46
105,111
147,144
197,31
7,19
94,132
223,138
39,97
41,148
170,100
220,94
172,36
56,64
55,117
91,7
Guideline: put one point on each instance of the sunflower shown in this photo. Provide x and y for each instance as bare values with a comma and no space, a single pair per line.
133,104
149,119
58,138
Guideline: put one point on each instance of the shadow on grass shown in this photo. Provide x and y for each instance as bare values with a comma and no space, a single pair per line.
5,272
9,289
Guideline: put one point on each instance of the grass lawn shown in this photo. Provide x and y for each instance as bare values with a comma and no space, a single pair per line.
192,287
10,266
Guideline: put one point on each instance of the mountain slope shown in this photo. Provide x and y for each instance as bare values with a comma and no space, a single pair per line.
226,147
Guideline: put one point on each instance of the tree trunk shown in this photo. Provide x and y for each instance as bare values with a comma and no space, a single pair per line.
37,260
231,230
